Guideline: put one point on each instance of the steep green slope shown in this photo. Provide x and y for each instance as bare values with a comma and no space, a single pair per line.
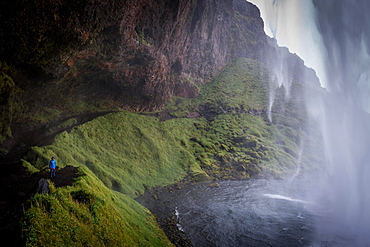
222,134
240,87
89,214
231,137
238,136
127,151
69,57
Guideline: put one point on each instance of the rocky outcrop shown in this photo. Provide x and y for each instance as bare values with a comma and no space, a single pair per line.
170,46
139,53
43,186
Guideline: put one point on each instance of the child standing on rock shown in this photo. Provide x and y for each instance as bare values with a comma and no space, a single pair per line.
53,167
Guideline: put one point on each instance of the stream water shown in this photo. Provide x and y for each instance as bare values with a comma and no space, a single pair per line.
254,213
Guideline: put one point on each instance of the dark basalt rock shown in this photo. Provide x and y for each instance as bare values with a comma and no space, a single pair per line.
143,48
43,186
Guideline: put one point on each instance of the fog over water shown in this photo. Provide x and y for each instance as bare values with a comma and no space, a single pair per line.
330,208
333,38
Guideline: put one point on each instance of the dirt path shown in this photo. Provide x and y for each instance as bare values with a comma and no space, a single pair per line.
16,186
24,136
15,189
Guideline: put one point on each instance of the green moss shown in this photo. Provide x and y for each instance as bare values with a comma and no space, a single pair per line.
40,162
29,168
240,87
128,152
89,214
68,123
237,129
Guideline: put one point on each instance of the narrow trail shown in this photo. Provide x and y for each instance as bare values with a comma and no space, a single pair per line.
24,136
15,189
16,186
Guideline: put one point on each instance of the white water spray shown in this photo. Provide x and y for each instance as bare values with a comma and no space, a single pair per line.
332,37
278,78
274,196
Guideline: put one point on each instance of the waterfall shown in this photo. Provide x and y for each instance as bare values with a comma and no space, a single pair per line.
288,22
332,37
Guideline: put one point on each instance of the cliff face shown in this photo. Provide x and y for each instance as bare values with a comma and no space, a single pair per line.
59,59
185,40
138,53
63,63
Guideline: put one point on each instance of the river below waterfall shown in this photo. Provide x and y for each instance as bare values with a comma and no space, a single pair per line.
249,213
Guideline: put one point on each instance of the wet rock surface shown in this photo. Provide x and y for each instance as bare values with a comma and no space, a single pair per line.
157,201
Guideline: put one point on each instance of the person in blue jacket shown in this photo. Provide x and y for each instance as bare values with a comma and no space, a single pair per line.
52,166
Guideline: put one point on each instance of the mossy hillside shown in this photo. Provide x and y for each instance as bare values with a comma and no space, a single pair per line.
240,87
127,151
130,152
238,140
291,115
89,214
234,139
241,146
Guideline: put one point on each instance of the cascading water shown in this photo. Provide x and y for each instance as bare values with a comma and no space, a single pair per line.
330,36
333,37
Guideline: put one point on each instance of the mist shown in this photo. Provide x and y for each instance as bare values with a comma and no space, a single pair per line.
332,37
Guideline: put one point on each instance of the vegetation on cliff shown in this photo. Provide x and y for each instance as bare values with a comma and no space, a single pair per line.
70,58
231,138
72,62
224,133
237,132
89,214
127,151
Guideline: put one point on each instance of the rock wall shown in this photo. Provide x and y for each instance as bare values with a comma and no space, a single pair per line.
141,52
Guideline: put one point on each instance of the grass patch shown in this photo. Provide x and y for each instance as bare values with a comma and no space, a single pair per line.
242,86
89,214
128,152
233,138
237,136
